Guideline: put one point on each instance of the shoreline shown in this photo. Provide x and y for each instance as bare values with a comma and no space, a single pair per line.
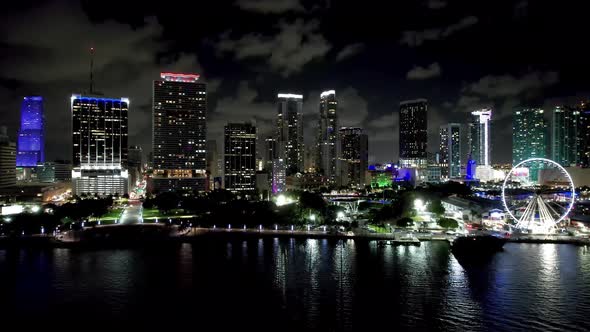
195,234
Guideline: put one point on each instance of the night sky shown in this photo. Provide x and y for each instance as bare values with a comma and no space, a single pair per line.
460,55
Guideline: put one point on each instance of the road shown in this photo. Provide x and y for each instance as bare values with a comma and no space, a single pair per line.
132,214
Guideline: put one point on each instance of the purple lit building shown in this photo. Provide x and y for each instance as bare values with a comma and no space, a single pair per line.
31,137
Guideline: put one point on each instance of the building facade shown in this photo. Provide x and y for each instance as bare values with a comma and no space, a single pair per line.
479,139
354,157
583,135
99,140
529,137
290,131
179,133
564,135
327,140
413,135
31,135
57,171
7,160
450,150
240,158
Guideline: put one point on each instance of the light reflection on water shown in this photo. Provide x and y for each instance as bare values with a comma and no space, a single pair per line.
307,284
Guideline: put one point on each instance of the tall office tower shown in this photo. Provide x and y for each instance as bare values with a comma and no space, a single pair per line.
479,140
443,148
564,135
240,158
413,135
327,140
450,150
179,132
355,157
31,136
290,131
583,135
99,139
7,160
279,176
271,152
529,137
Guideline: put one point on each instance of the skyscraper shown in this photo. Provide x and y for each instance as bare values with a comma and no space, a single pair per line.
179,132
327,140
271,151
31,136
99,139
240,158
354,157
450,150
290,131
134,164
479,139
7,160
529,137
564,135
583,135
413,136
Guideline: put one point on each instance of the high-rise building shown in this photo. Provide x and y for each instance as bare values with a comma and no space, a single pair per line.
271,151
240,158
279,176
49,172
213,163
354,157
327,140
583,135
529,137
7,160
179,132
479,140
564,135
99,139
450,150
290,131
31,136
413,135
135,164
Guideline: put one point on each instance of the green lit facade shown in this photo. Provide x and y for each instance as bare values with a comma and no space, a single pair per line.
529,137
564,147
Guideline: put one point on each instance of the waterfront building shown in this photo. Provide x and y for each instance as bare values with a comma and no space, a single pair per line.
450,150
529,137
354,157
240,158
290,131
583,135
7,160
564,135
327,138
31,135
479,138
279,176
179,132
413,135
99,141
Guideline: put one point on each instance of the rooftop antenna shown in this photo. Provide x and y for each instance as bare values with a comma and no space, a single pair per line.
91,68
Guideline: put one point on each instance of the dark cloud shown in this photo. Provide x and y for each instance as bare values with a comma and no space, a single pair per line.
349,51
417,38
508,85
423,73
270,6
436,4
288,51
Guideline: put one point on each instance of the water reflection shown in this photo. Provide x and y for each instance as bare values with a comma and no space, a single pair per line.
299,284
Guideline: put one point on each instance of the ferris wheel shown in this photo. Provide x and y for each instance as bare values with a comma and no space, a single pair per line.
538,194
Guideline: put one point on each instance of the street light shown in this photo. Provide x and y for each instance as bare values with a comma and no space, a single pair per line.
419,205
312,217
339,215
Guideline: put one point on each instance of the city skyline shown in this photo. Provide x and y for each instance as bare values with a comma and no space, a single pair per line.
134,45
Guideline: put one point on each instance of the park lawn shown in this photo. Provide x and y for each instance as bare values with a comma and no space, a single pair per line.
151,213
112,215
378,229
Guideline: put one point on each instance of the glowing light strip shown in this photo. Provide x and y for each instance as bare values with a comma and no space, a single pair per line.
289,96
178,77
327,93
573,188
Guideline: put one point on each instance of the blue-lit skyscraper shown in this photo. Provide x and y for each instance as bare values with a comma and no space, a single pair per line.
31,137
